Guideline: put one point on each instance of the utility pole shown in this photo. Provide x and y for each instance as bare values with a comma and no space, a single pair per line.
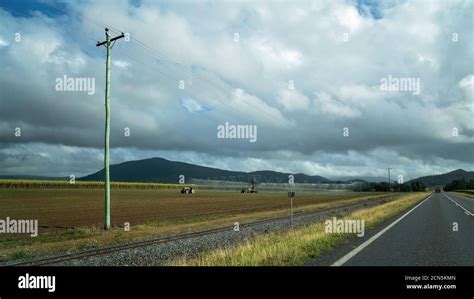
109,43
389,182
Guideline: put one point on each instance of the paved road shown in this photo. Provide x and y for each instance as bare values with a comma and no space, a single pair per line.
424,237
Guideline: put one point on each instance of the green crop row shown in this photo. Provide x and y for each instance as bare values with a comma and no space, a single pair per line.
43,184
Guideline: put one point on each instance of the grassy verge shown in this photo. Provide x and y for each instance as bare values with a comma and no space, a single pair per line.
295,248
467,193
14,247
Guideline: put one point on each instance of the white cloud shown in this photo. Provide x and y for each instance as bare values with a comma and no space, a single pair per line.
292,100
120,63
360,95
253,108
348,17
327,105
276,56
467,83
3,43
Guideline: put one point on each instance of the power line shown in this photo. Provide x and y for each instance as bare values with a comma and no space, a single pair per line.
141,44
217,85
206,95
176,79
177,64
225,89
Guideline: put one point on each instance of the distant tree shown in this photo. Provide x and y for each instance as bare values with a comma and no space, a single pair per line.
470,185
382,187
418,186
458,185
405,187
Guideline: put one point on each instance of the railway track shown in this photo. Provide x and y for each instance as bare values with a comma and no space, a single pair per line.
144,243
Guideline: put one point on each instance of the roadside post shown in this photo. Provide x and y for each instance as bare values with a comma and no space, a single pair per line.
291,194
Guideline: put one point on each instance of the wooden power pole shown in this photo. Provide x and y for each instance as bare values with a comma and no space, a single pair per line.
109,43
389,182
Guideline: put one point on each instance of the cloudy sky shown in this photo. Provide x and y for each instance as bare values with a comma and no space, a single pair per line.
303,72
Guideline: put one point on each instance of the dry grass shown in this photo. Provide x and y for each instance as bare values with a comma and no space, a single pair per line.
295,248
467,193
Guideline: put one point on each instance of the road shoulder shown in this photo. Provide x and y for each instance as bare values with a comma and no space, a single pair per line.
349,244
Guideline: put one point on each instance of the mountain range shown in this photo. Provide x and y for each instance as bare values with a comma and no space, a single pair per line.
165,171
443,179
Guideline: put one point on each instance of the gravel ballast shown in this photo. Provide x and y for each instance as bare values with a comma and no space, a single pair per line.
162,253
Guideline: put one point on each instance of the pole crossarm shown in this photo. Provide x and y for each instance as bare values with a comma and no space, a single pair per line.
111,39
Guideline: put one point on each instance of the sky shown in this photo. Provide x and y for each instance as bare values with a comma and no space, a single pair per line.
306,74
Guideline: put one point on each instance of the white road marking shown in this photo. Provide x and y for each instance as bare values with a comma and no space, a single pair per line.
466,211
358,249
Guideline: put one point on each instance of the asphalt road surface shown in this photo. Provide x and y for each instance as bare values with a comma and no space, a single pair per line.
424,236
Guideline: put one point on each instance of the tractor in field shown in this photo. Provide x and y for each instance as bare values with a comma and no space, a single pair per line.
252,188
187,190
